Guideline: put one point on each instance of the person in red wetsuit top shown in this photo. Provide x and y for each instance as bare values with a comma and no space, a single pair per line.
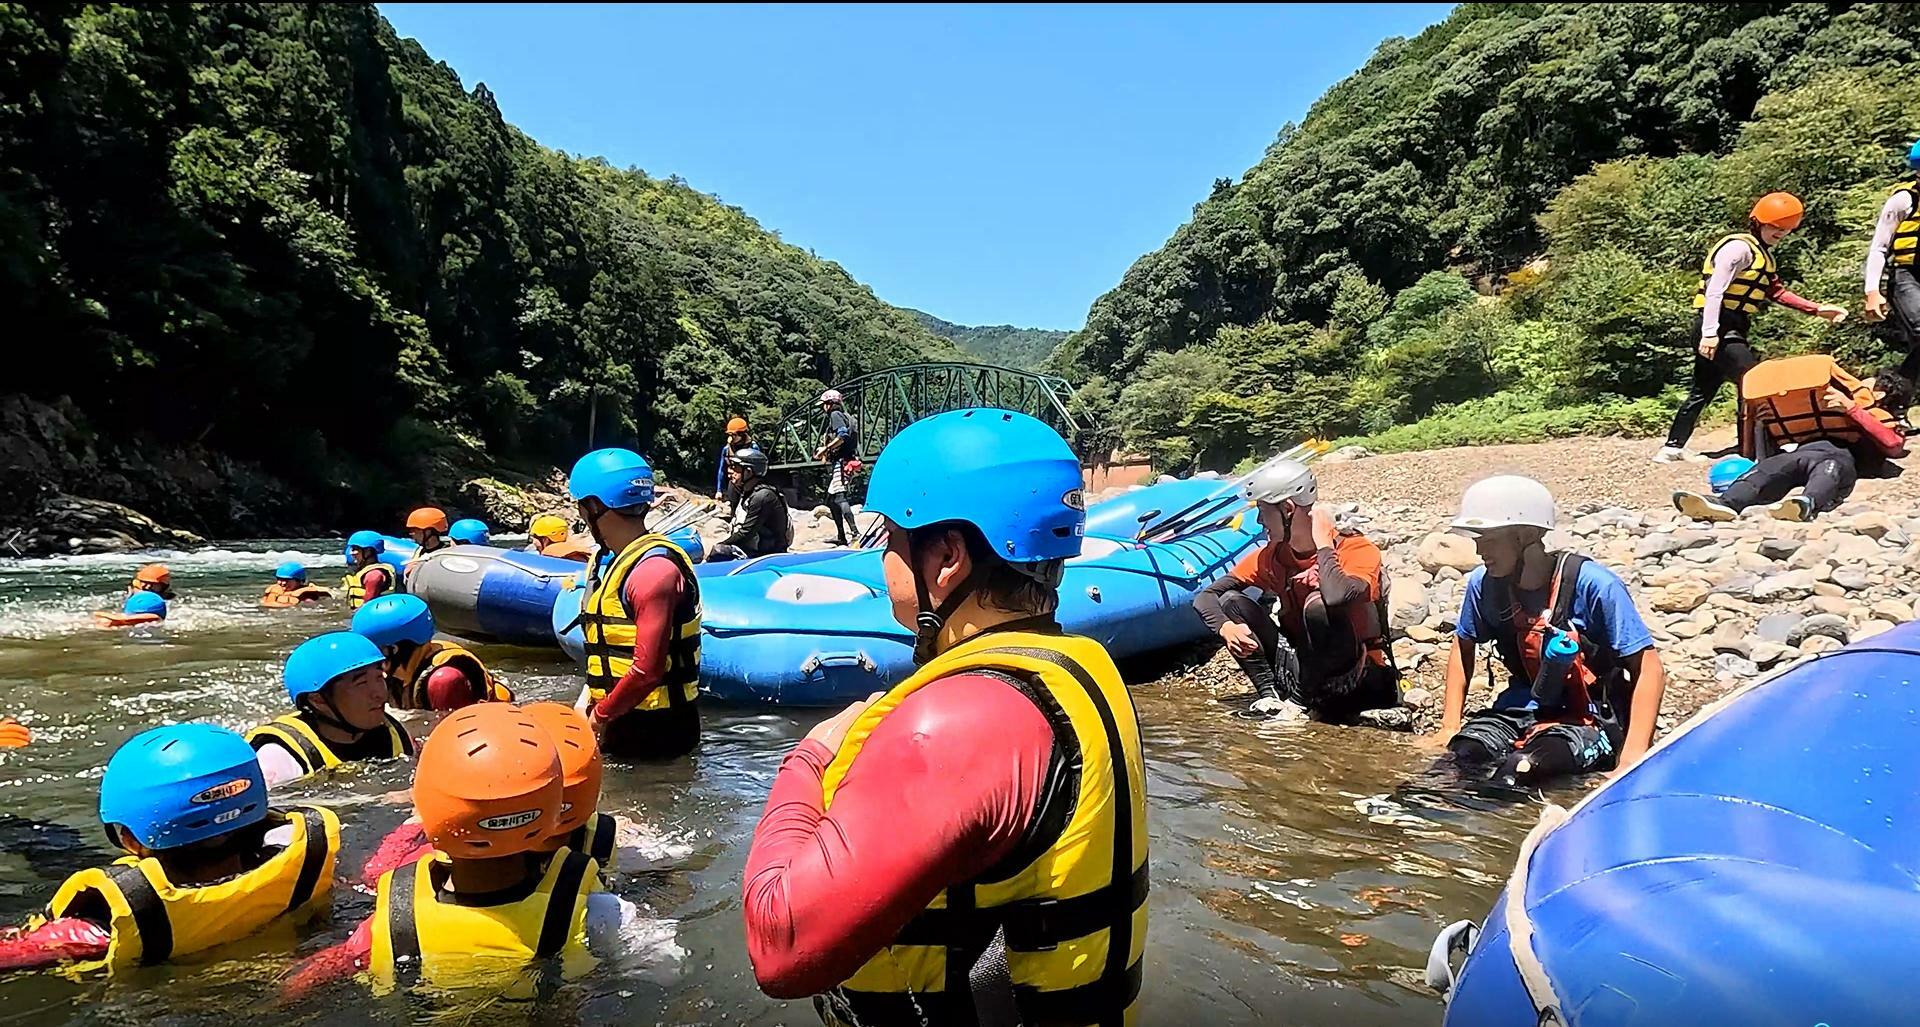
640,618
971,845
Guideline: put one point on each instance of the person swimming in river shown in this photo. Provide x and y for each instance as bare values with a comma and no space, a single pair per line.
369,574
155,578
424,673
338,685
207,860
137,609
500,889
1586,681
290,588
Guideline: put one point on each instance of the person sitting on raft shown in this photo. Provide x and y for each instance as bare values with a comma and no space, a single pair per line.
470,531
760,518
1824,468
290,587
137,609
1737,280
495,893
641,616
368,575
208,862
997,794
423,673
580,827
549,536
1323,649
738,437
338,685
155,578
428,528
1586,682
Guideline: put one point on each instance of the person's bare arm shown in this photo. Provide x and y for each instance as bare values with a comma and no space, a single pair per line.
1649,687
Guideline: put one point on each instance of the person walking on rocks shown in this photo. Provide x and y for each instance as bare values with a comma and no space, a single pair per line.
1737,279
1896,241
1302,614
839,448
1585,681
1824,468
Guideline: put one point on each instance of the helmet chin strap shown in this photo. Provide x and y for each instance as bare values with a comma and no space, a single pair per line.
929,620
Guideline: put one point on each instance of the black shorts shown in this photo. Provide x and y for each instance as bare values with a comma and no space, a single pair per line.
1593,747
650,735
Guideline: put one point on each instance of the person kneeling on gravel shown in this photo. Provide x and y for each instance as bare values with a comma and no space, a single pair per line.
1322,649
1824,468
1586,682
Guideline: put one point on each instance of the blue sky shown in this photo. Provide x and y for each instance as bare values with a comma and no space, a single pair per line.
988,165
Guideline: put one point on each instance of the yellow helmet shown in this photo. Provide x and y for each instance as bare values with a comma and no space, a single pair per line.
548,527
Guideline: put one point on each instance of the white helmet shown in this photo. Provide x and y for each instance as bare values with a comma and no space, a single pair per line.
830,396
1504,501
1279,482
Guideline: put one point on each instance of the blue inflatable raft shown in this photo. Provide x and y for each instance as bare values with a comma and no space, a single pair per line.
1760,867
817,629
401,551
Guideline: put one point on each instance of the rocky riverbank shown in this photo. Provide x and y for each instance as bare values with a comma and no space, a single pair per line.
1725,602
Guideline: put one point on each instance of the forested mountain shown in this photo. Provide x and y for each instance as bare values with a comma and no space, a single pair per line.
281,234
1026,348
1575,159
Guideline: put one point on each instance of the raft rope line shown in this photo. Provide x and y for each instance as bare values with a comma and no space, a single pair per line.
1519,924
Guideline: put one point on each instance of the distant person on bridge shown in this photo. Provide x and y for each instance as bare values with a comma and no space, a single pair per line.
761,524
840,449
1738,278
1896,240
738,436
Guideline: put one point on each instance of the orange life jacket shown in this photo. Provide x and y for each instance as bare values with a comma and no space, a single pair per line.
279,595
568,550
1523,633
1785,401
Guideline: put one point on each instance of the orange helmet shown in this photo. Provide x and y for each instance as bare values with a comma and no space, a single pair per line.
488,783
428,517
154,574
1781,210
579,761
738,424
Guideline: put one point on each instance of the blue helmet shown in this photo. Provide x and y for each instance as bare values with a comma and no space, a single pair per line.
292,570
145,602
1913,155
392,619
470,532
620,478
318,660
173,786
1725,471
367,540
1005,473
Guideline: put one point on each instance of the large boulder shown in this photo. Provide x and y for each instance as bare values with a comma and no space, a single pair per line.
72,524
1446,549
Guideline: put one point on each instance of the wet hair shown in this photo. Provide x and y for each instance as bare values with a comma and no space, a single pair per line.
996,582
1896,390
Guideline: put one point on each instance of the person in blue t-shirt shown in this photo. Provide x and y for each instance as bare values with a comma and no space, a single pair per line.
1585,682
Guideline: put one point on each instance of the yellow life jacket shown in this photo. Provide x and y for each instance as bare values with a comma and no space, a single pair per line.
1071,901
278,596
355,583
154,920
312,752
606,627
408,686
1906,234
421,935
1747,293
1784,400
595,838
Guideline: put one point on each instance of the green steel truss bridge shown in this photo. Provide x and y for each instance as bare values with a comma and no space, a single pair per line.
886,401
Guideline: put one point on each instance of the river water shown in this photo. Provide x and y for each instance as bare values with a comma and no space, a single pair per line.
1282,891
